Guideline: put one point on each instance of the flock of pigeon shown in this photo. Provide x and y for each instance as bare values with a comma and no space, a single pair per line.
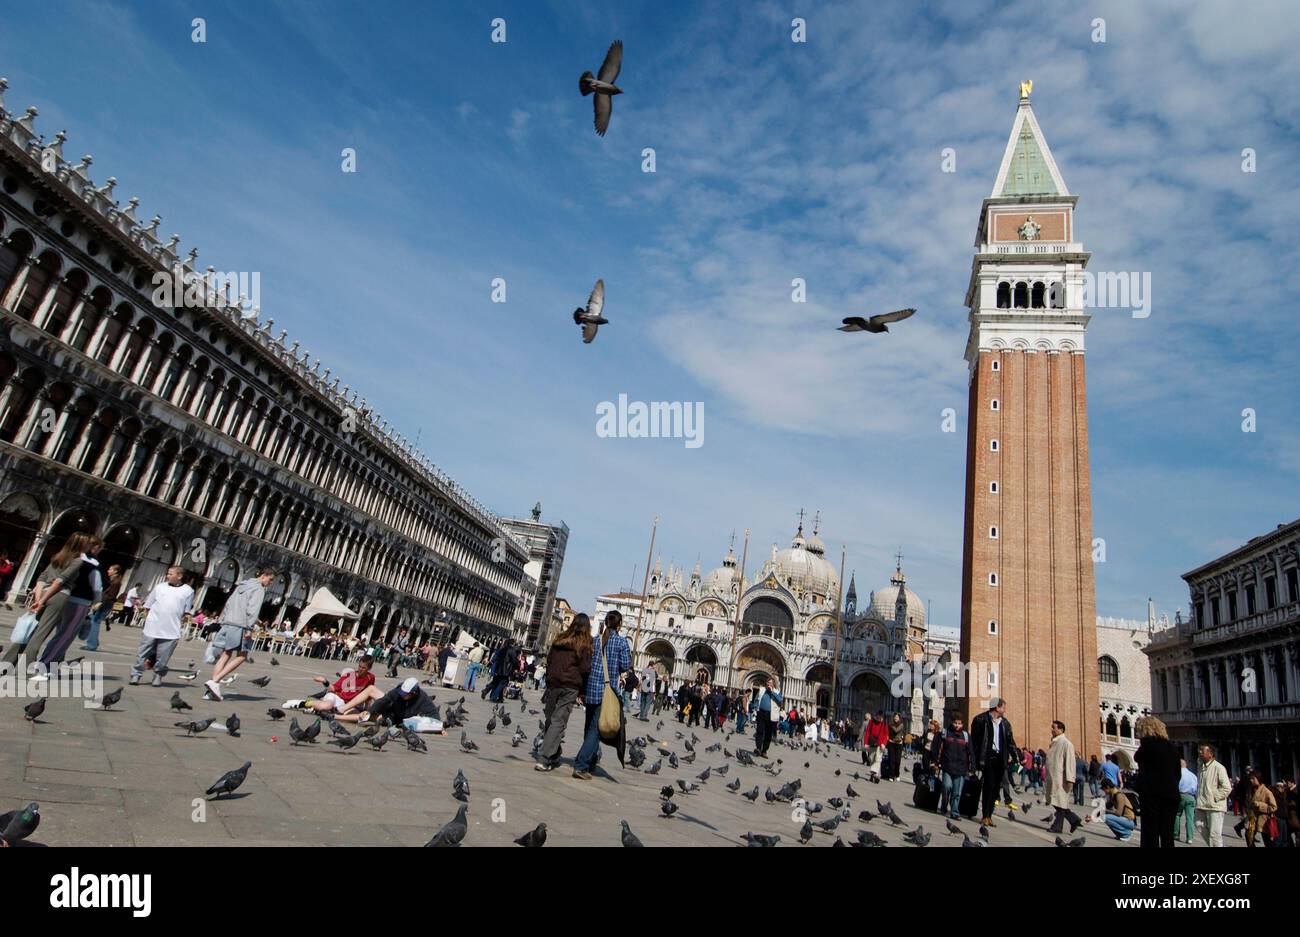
602,88
18,825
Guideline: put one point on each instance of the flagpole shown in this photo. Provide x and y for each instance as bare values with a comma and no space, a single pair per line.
839,630
645,588
735,625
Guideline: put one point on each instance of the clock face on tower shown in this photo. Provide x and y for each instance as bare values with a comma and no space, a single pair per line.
1029,230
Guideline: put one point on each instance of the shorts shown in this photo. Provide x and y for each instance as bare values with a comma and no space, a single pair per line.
335,701
234,639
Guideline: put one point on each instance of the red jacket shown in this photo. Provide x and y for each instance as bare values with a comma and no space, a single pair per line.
875,732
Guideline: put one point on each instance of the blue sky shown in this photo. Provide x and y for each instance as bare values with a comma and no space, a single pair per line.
774,160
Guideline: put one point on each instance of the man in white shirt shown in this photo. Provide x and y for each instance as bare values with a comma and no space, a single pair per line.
166,604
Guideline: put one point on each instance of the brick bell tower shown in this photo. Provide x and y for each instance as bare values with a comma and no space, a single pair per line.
1029,614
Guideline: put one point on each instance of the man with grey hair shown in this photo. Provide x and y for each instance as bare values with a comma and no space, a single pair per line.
1212,789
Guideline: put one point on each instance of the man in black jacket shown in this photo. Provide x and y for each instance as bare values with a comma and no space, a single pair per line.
991,745
404,701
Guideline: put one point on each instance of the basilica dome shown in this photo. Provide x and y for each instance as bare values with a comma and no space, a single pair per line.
882,601
720,580
804,569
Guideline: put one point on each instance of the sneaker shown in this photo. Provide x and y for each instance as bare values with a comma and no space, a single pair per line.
226,681
1123,837
135,680
541,766
157,679
214,689
581,775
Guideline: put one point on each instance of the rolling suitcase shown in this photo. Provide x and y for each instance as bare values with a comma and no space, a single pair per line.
969,805
924,797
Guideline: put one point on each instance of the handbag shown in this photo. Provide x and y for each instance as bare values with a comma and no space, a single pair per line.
610,720
1270,828
23,628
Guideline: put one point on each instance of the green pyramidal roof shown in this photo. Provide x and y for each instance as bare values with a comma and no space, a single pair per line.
1028,173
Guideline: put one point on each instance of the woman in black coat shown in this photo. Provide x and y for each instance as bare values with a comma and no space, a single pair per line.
1156,783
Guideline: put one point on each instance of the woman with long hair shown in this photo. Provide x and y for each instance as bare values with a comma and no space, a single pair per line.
567,666
1156,783
84,589
50,596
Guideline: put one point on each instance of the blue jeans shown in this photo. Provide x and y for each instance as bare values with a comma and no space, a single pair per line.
952,792
1120,826
473,672
1094,787
646,699
589,754
90,631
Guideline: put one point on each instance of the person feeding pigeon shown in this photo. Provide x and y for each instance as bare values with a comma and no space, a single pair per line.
238,619
408,705
167,603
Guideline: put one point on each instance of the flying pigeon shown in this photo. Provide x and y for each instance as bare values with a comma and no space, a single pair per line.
34,709
452,833
875,323
232,725
603,86
17,825
229,782
179,704
629,838
534,837
592,318
111,699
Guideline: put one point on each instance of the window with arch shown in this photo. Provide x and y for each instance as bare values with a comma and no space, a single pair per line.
993,579
993,626
1039,296
993,445
993,533
1107,669
1022,295
1004,295
993,488
993,404
672,622
997,365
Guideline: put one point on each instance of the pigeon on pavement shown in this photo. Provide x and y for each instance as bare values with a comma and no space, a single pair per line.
229,782
452,833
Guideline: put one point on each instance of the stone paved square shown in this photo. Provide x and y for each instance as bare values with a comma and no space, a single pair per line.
129,777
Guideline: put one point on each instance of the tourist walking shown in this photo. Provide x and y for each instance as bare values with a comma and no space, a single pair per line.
505,665
167,603
993,744
1094,777
875,738
238,619
475,665
1080,775
953,762
49,598
1260,808
1187,787
611,656
1212,790
1156,782
1062,777
101,610
84,590
567,667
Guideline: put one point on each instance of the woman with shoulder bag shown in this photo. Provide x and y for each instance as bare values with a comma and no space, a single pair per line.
50,597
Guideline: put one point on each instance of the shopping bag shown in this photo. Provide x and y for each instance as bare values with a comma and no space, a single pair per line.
211,654
23,628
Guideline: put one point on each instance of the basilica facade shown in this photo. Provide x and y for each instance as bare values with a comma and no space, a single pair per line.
782,622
